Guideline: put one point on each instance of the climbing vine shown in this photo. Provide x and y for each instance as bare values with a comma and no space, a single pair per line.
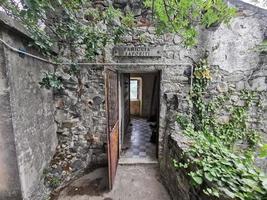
69,24
76,24
51,80
73,25
215,162
184,16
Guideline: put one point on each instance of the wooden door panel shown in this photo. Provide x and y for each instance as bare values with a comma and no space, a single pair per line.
114,153
111,84
135,107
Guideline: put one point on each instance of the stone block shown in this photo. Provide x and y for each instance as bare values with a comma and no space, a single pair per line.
259,84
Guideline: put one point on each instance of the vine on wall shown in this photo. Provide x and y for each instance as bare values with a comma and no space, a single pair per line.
77,24
213,161
184,16
70,25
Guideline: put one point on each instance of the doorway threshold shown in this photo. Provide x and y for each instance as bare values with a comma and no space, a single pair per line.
134,161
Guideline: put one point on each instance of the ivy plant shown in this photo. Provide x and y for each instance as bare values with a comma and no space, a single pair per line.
69,24
212,161
184,16
51,80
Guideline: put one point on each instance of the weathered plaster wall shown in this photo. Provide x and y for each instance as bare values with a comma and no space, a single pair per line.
232,47
29,116
9,175
237,65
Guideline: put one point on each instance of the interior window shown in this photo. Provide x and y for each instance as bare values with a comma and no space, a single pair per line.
134,90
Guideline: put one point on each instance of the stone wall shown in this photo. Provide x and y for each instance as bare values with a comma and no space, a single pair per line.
80,107
81,121
80,114
235,66
236,63
27,127
178,182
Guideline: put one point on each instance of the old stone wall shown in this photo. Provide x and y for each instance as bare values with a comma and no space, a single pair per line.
80,113
81,121
27,127
179,184
27,110
236,65
80,107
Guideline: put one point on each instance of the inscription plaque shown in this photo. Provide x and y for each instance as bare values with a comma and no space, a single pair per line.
129,51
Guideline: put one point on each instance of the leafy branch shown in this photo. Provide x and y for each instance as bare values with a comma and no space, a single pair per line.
184,16
63,24
212,161
75,25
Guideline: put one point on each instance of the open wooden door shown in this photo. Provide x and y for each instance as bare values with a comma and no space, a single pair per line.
111,84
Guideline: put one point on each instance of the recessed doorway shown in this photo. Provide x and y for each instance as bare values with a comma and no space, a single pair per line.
139,116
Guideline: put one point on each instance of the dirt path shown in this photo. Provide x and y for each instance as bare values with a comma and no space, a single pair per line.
133,182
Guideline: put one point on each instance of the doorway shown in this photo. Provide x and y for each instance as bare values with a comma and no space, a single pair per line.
139,116
132,128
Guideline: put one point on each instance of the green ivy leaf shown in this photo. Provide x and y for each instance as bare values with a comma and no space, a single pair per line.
264,183
196,178
228,192
208,176
263,151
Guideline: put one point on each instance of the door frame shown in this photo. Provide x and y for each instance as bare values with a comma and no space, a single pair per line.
121,112
137,71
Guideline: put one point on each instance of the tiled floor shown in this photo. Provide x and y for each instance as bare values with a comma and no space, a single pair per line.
137,143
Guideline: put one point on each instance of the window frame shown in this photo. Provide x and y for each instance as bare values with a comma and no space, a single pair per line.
139,91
